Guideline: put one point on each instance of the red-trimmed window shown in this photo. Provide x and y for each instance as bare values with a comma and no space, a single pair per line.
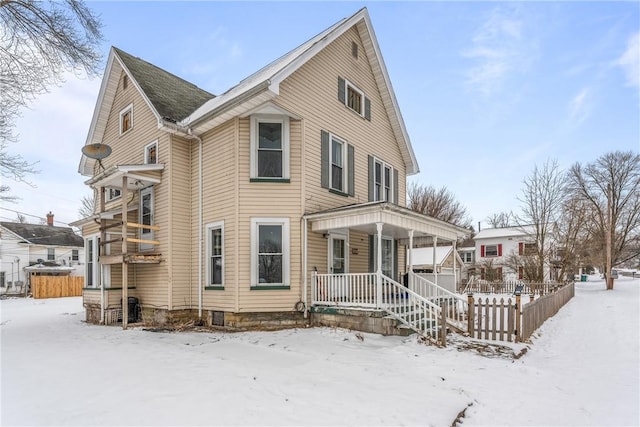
491,250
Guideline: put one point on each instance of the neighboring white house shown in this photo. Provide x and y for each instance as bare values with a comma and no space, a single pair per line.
494,245
37,249
447,271
467,251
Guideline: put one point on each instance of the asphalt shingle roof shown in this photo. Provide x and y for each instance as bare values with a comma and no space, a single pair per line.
45,234
172,97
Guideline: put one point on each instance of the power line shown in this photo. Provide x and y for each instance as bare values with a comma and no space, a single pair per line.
44,219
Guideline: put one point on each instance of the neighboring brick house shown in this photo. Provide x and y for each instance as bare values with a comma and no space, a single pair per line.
252,207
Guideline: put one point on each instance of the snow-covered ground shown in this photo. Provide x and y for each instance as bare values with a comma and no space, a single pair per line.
580,369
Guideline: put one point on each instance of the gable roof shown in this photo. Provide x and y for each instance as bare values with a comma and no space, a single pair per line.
263,85
169,97
172,97
46,235
196,111
491,233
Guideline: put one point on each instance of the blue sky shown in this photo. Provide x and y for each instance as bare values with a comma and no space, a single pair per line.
487,89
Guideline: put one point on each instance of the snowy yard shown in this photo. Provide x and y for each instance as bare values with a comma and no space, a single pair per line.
581,369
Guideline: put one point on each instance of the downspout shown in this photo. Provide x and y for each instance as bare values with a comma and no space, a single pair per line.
188,133
304,266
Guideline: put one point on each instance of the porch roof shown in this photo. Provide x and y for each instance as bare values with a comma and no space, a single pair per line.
138,176
397,220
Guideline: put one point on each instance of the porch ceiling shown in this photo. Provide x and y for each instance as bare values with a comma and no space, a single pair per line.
397,220
138,176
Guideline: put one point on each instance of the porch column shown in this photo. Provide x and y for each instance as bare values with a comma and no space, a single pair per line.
435,267
98,251
125,267
379,266
410,254
455,275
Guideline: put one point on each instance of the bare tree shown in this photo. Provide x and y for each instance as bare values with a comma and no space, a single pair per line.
21,218
502,219
610,186
39,41
440,204
571,237
542,197
88,206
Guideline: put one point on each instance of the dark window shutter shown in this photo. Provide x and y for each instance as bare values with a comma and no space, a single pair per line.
351,170
324,159
482,251
520,273
341,90
370,173
499,273
520,248
367,108
395,186
500,249
395,260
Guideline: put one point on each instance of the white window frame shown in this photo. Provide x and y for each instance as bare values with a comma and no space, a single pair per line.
348,85
345,174
110,194
91,261
338,235
147,148
75,255
256,119
125,110
383,184
286,251
218,225
51,254
145,233
486,250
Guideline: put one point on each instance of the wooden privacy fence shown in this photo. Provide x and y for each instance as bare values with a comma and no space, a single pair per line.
508,319
56,286
534,314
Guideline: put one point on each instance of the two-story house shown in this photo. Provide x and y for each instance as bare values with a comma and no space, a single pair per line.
254,206
501,252
27,249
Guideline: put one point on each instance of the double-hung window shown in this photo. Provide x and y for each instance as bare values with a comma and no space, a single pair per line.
270,252
215,247
491,250
51,254
382,181
337,168
337,164
269,147
75,255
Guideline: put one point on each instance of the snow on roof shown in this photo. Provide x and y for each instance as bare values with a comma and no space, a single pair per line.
491,233
424,256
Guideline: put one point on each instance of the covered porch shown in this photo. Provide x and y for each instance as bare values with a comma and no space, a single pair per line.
392,231
126,235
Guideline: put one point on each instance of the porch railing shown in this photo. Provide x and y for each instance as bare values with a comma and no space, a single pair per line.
345,289
457,307
362,290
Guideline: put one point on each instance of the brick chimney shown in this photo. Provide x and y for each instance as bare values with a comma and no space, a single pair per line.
50,219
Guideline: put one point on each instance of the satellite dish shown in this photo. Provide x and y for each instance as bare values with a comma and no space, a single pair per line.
96,151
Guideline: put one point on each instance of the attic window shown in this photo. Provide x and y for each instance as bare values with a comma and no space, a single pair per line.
354,98
126,119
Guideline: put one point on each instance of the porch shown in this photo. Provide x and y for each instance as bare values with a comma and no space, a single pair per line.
417,303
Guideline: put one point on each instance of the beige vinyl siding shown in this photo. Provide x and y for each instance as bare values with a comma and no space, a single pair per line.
318,103
358,263
150,280
183,292
269,200
219,193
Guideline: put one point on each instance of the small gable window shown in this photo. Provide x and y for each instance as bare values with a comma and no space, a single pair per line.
126,119
151,153
354,98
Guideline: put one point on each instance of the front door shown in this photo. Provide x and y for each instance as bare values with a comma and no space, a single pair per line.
337,254
146,217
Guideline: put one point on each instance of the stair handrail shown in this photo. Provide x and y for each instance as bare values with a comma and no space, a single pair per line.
457,306
413,310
